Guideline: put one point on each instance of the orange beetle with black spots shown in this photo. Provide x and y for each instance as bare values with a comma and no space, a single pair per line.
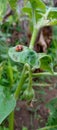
19,48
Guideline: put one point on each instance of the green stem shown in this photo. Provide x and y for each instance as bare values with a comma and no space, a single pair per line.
17,92
33,39
30,78
41,84
11,121
22,80
44,74
10,73
47,13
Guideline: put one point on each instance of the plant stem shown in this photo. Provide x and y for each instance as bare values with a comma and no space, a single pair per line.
17,92
11,121
10,73
44,74
34,35
22,80
30,78
41,84
47,13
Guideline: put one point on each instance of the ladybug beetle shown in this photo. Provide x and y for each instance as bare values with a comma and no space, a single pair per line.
19,48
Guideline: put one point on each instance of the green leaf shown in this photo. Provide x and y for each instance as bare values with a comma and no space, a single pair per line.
25,56
27,11
1,69
3,128
40,60
52,106
3,7
12,4
53,13
7,105
45,63
33,10
53,102
38,4
24,128
55,32
53,22
27,8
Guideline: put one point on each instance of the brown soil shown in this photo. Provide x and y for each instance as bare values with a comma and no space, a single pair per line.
35,116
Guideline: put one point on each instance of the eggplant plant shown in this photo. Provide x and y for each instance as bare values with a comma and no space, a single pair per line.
39,16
